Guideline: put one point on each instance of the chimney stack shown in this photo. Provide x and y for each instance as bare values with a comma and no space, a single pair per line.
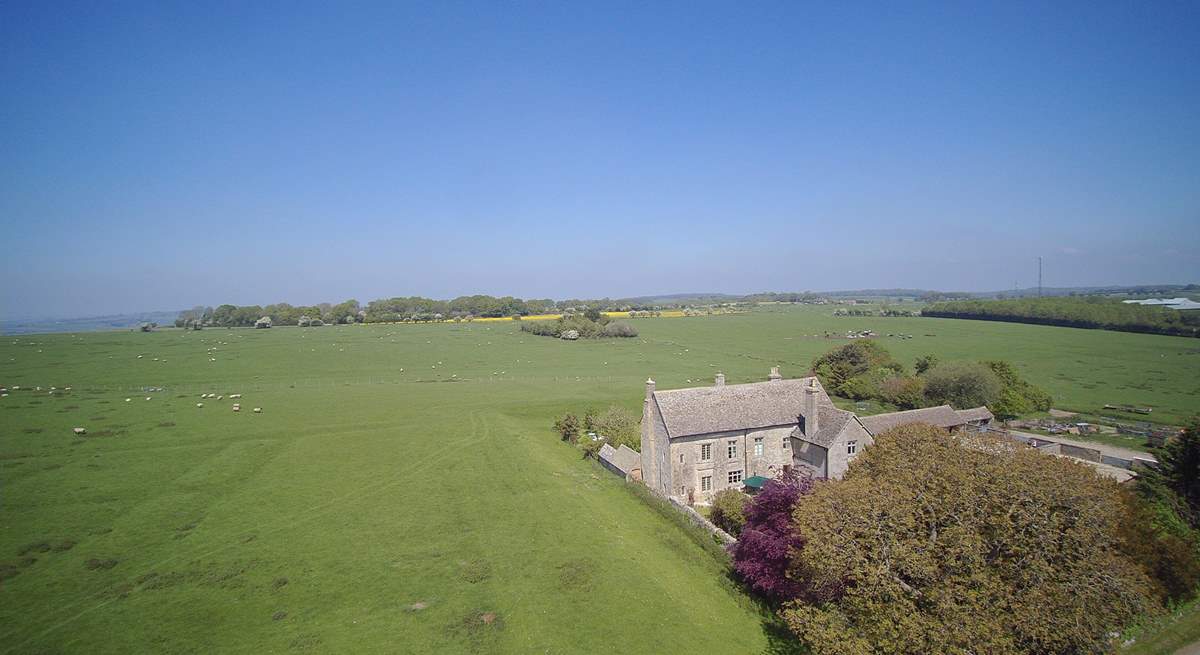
649,388
720,379
811,390
775,375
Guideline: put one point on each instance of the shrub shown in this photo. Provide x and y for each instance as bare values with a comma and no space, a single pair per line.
903,392
567,427
590,447
768,539
962,385
617,426
619,329
1018,396
1167,555
729,510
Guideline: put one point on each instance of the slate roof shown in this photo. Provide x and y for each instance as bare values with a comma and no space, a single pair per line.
975,414
830,423
942,416
701,410
623,458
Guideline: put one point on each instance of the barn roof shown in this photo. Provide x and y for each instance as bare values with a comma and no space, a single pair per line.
942,416
701,410
623,457
975,414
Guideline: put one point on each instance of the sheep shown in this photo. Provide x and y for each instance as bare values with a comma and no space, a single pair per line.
235,395
129,400
199,404
80,431
147,397
220,397
236,408
258,410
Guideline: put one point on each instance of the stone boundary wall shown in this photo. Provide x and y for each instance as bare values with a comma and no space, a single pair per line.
692,515
698,519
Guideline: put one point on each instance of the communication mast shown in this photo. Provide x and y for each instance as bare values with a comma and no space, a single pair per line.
1039,277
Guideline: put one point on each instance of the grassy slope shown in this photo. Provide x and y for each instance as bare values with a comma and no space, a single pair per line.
369,488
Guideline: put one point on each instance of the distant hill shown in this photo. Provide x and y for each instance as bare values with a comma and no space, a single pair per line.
87,324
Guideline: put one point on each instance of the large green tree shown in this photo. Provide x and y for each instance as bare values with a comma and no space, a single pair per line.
935,543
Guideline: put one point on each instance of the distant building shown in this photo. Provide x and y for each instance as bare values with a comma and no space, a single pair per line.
1170,303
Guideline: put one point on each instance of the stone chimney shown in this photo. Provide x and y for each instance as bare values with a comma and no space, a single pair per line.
649,460
775,375
811,391
720,379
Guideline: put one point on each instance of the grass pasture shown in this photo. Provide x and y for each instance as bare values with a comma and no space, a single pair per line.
402,490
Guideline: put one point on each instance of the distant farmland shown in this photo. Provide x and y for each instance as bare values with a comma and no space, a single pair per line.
402,489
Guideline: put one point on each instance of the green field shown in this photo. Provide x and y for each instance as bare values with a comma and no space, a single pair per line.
402,490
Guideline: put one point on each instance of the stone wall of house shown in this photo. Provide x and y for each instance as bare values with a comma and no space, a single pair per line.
688,468
656,450
839,454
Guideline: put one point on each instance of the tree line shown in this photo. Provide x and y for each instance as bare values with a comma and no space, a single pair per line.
405,309
1082,312
865,370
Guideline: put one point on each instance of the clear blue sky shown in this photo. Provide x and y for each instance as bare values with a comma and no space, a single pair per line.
159,155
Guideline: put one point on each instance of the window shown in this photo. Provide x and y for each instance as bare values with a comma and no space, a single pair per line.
735,477
680,458
706,483
705,452
732,449
851,447
787,443
758,446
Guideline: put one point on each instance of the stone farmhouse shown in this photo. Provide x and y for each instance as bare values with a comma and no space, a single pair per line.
698,441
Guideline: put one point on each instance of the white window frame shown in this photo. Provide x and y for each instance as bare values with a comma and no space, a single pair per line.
851,447
706,452
734,477
731,449
759,448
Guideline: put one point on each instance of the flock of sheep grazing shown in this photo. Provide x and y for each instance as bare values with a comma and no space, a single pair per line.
237,407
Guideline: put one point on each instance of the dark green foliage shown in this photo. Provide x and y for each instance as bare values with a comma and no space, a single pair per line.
1083,312
567,427
1180,460
585,327
1017,396
1151,535
924,363
856,369
903,392
962,385
729,510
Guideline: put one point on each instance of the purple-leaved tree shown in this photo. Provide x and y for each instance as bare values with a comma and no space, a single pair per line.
762,553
